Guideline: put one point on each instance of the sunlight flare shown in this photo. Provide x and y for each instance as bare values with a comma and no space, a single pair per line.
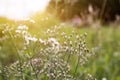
20,9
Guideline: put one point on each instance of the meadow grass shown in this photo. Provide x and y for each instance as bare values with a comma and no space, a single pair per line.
36,54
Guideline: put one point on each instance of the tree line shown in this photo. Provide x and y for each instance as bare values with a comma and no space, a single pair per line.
66,9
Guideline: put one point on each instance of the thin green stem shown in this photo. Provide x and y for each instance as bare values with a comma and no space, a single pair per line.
32,64
17,50
77,66
68,57
34,70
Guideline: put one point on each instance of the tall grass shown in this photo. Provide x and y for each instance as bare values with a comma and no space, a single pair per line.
59,53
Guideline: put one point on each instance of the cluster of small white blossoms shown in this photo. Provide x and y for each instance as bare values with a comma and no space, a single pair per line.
5,29
104,78
22,29
15,69
53,59
51,41
90,77
77,47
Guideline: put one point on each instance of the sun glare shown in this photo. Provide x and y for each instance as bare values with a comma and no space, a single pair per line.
20,9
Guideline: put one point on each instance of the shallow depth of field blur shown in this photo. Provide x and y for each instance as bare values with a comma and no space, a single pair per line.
60,40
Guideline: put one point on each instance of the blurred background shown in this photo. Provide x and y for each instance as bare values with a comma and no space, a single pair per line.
100,19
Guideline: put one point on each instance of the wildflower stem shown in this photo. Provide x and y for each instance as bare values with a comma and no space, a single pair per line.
77,66
68,58
32,64
34,70
2,74
17,50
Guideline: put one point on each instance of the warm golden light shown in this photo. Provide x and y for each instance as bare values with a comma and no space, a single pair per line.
20,9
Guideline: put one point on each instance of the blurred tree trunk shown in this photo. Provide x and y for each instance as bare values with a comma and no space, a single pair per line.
103,9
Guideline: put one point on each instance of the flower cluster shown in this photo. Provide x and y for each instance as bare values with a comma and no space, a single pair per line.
51,59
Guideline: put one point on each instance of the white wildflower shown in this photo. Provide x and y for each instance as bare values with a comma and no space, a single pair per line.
53,42
18,31
23,27
28,39
41,41
32,21
32,39
104,78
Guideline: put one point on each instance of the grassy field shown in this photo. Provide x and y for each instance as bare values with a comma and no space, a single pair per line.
60,52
